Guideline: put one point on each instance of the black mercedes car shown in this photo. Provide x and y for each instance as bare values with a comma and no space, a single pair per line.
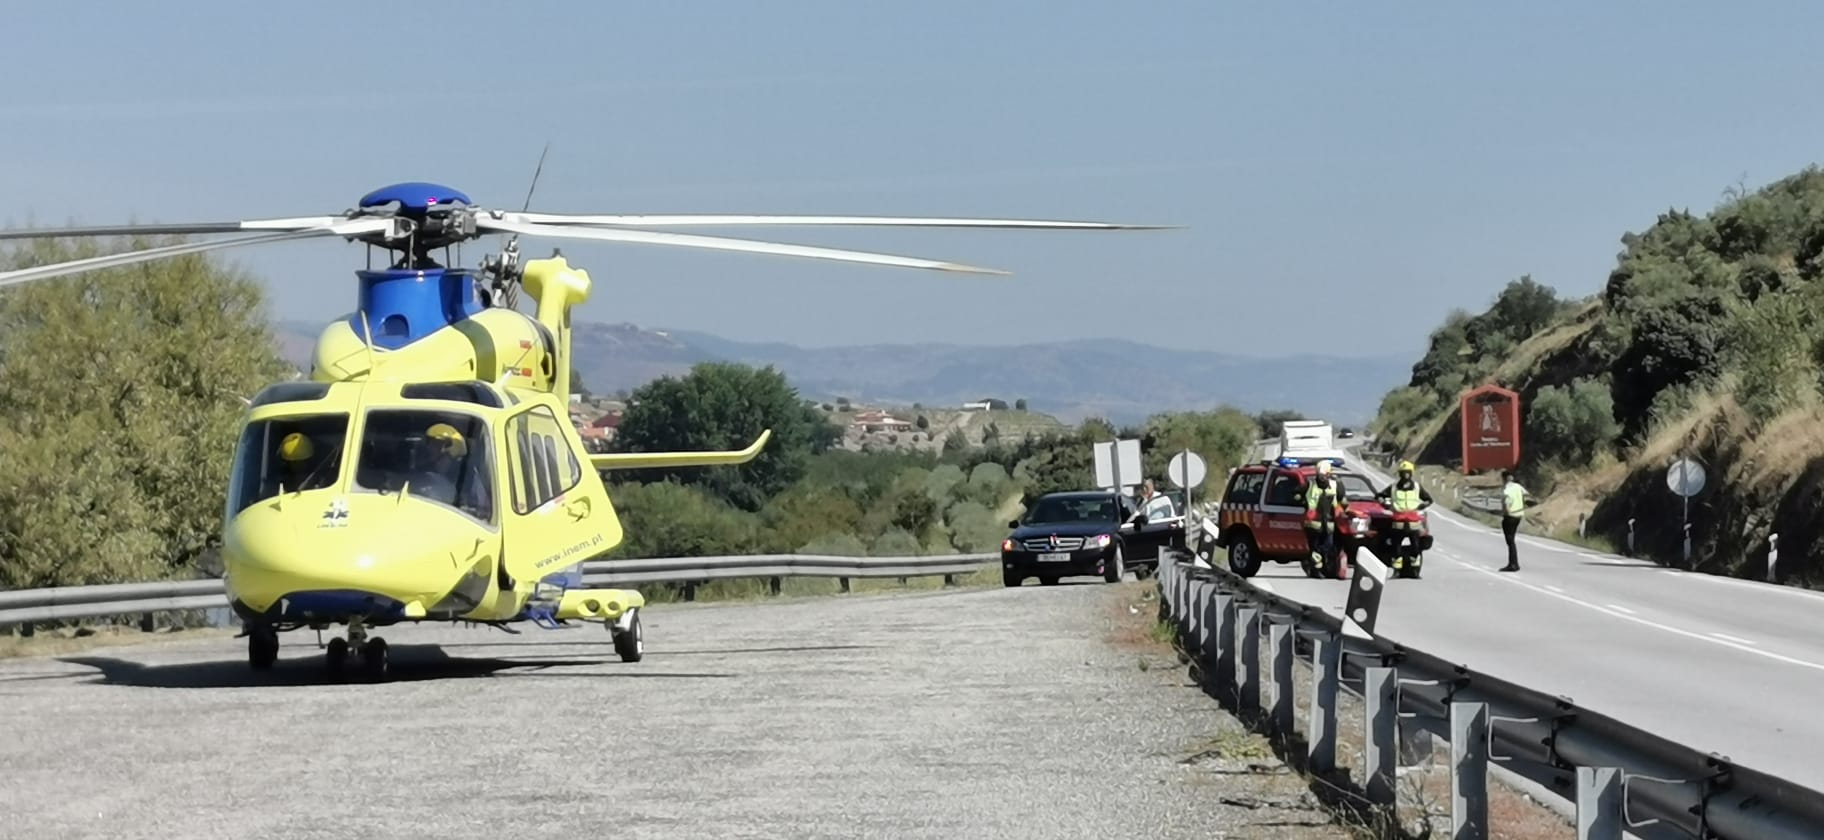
1084,532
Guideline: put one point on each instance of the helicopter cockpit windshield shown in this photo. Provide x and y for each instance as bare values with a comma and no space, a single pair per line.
441,456
286,455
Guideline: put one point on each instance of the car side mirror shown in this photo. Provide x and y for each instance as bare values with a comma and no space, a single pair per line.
1014,524
1140,520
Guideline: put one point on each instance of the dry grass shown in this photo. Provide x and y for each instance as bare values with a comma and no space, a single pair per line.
1235,768
65,640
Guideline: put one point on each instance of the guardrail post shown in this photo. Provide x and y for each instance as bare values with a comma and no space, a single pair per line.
1326,679
1208,643
1599,803
776,584
1773,557
949,580
1227,617
1247,634
844,583
690,590
1381,697
1469,770
1630,536
1280,635
146,624
25,630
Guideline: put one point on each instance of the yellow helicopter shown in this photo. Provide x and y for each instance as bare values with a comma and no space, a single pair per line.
426,469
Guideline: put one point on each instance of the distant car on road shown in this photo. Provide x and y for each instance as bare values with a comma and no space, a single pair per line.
1346,433
1084,532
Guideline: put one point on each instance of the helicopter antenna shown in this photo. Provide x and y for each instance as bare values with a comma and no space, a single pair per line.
506,266
535,173
367,333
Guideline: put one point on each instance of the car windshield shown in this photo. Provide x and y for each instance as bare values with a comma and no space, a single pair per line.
1356,488
286,455
437,455
1073,509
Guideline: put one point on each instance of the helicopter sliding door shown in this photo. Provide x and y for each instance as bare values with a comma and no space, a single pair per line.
557,519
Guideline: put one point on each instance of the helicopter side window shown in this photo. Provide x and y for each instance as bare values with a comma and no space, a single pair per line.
286,455
441,456
541,461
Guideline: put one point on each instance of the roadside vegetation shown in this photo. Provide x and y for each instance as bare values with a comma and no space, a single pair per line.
1705,342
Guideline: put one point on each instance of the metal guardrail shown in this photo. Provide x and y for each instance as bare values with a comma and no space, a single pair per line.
62,603
1620,778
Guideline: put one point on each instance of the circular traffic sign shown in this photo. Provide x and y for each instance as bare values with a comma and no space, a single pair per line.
1186,461
1686,477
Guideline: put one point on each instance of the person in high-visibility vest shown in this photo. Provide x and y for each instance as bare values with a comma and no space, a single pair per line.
1513,510
1405,498
1323,509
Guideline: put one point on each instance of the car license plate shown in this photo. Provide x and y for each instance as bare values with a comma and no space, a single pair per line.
1055,557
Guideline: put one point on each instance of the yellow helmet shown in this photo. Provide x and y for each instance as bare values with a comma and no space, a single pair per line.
295,447
451,439
1406,466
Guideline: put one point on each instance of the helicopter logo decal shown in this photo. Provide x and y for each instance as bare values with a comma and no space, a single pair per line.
336,516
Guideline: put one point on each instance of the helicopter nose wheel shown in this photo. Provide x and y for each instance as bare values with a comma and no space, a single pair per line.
262,646
374,660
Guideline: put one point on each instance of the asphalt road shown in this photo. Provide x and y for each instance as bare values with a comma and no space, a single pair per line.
986,713
1722,665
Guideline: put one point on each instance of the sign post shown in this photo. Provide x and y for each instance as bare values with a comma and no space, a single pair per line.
1187,471
1686,478
1117,464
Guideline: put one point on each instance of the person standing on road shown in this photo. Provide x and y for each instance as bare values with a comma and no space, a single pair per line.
1513,509
1405,498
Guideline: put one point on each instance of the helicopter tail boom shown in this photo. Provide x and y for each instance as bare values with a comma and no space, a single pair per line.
650,460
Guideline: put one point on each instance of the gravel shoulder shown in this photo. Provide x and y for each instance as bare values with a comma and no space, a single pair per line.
1037,712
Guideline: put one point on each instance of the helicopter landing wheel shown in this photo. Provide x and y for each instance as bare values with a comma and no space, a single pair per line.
630,643
262,646
336,657
374,660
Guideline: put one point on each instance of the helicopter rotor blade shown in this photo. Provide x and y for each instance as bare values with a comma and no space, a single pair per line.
488,222
650,220
354,227
178,229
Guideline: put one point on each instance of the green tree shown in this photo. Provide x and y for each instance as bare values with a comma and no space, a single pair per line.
667,519
120,399
721,405
1571,425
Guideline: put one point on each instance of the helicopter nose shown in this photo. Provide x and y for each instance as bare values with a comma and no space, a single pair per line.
330,565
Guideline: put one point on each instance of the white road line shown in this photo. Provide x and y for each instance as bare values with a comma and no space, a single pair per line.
1554,589
1508,577
1728,638
1620,608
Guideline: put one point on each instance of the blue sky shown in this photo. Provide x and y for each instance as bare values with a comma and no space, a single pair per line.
1363,166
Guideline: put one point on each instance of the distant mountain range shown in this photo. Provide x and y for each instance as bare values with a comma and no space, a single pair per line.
1123,381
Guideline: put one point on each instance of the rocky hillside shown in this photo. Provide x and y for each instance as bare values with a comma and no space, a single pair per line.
1122,381
1707,341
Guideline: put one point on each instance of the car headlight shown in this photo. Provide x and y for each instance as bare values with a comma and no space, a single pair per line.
1098,541
1007,544
1360,524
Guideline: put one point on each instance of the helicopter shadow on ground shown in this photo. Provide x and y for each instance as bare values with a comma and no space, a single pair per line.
408,663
